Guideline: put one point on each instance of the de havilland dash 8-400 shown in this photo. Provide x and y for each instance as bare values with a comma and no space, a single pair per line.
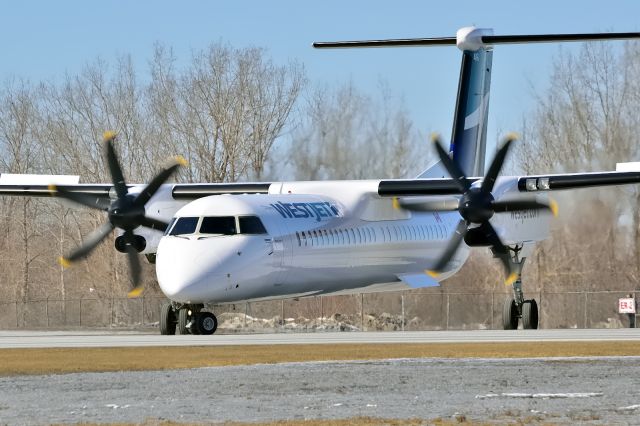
232,242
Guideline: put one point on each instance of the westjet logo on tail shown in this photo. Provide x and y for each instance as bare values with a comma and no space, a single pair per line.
316,210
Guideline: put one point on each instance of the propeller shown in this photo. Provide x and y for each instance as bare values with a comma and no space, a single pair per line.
125,212
476,206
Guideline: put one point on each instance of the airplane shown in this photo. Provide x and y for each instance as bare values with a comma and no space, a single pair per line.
234,242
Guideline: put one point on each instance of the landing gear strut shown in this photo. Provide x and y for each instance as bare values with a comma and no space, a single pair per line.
186,319
516,307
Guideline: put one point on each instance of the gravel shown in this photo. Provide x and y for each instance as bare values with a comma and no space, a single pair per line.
558,390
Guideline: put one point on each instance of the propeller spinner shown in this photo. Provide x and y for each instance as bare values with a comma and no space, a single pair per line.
476,206
125,212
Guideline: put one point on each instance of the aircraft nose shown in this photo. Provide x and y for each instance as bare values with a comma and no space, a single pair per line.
183,272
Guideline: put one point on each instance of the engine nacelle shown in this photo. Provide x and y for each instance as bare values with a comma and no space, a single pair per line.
476,238
139,244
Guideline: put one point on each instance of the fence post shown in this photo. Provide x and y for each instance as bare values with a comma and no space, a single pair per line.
361,311
321,310
282,313
586,301
492,308
46,310
244,320
80,311
142,299
17,325
402,303
447,316
540,310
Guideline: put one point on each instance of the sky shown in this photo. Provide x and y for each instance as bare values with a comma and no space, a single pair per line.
43,40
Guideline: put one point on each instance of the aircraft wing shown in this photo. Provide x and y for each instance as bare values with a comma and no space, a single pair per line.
38,186
534,183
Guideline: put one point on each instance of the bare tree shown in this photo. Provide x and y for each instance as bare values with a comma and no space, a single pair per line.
346,134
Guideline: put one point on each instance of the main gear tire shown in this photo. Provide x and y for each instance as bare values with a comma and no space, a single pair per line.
510,315
530,315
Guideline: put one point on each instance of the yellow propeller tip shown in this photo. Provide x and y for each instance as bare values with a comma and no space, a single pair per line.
65,263
53,188
513,136
512,278
553,205
396,203
109,135
432,274
181,160
435,137
136,292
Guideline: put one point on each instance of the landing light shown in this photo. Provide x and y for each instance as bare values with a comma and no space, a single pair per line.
531,185
543,183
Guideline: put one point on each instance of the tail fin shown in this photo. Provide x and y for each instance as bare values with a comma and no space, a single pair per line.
468,141
469,134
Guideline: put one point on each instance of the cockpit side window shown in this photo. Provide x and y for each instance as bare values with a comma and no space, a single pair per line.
170,225
251,225
224,225
184,225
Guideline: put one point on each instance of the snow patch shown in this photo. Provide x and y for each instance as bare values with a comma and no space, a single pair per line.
630,407
540,395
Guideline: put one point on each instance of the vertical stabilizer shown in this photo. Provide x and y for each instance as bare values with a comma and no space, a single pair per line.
469,135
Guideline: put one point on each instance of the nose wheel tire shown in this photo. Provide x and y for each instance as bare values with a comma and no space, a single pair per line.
510,315
530,314
206,323
167,320
183,320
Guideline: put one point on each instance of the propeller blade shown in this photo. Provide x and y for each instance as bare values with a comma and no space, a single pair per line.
157,181
496,165
114,166
90,243
503,206
91,201
451,249
132,254
452,168
419,204
500,251
154,223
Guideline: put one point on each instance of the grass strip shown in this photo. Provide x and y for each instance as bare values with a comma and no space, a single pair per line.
70,360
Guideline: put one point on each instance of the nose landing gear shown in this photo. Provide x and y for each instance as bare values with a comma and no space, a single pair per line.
186,319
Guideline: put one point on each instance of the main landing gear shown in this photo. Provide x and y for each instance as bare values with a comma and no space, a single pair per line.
186,319
516,308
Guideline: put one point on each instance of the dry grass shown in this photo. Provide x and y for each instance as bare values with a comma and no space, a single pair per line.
59,361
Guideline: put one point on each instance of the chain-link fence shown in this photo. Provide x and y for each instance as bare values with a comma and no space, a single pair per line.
410,310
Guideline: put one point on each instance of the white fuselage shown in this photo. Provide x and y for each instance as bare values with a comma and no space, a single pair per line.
342,237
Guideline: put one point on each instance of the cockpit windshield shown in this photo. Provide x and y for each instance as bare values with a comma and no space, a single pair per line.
216,225
224,225
251,225
184,225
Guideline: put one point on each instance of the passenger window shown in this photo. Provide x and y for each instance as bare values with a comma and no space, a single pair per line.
353,236
224,225
251,225
304,238
184,225
298,237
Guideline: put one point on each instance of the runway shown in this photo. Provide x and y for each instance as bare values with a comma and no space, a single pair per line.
114,339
